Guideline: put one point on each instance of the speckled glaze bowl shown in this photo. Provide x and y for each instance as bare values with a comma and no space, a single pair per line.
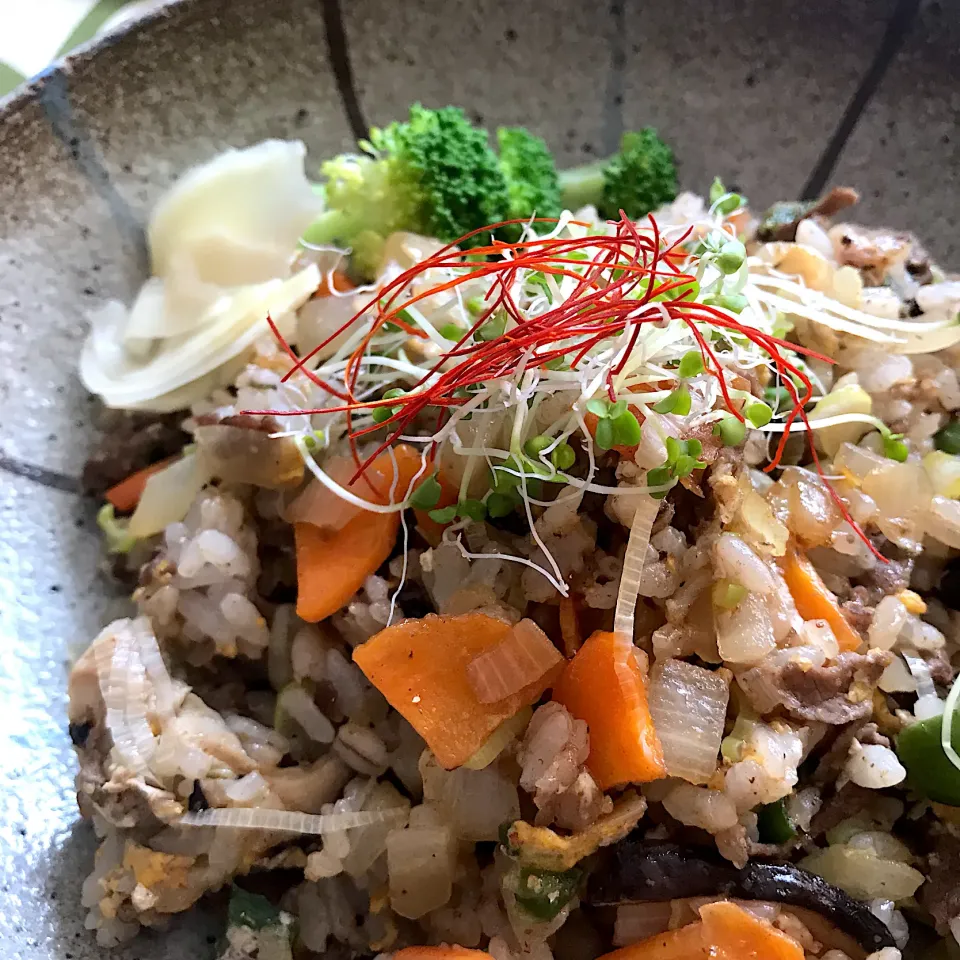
777,99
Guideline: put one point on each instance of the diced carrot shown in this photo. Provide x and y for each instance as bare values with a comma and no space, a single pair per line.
126,494
736,934
814,601
420,666
341,283
684,943
439,953
605,686
332,564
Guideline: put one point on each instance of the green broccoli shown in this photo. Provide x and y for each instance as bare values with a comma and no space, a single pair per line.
638,179
434,174
533,186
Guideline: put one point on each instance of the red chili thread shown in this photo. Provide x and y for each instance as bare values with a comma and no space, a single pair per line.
599,308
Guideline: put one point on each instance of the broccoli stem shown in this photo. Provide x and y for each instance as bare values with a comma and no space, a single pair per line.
326,229
582,185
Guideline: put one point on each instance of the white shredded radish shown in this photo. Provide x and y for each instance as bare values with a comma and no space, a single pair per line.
633,563
523,657
287,821
688,705
299,705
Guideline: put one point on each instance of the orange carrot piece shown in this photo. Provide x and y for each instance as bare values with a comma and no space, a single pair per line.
341,283
684,943
439,953
127,493
814,601
736,934
420,666
332,564
605,686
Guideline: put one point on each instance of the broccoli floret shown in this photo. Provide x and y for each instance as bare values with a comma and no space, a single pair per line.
434,174
533,186
638,179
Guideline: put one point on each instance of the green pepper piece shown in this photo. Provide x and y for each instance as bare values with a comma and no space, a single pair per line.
544,893
929,771
948,439
773,823
251,910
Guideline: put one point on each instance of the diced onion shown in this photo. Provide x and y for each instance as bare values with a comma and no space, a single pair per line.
168,495
498,740
688,705
524,656
287,821
943,521
637,921
862,874
745,634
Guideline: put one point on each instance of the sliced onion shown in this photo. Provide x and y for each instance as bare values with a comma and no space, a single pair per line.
287,821
689,706
523,657
920,670
254,198
300,706
225,332
164,697
168,495
495,744
124,690
633,563
862,874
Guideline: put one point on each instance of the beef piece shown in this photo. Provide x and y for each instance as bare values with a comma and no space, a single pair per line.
831,763
836,693
130,442
857,612
941,670
781,221
887,578
873,250
941,893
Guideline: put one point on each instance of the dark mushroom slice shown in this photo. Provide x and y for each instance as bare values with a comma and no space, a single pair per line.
633,871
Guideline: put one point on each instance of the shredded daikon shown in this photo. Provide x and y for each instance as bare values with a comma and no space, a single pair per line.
633,563
287,821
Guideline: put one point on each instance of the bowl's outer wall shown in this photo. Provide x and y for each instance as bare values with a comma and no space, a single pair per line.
750,90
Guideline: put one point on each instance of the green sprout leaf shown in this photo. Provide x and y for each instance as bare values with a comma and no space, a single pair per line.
563,456
759,414
626,430
730,430
427,495
444,514
472,510
605,434
500,505
536,445
691,364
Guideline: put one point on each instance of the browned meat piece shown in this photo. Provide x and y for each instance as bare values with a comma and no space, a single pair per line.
242,448
831,763
782,219
874,250
887,578
835,693
941,669
857,613
130,442
941,893
843,805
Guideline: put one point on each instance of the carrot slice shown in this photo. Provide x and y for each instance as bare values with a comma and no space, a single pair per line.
439,953
605,686
341,283
332,564
684,943
736,934
126,494
420,666
814,601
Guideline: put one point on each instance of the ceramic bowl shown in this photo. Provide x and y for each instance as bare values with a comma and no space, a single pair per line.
775,98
